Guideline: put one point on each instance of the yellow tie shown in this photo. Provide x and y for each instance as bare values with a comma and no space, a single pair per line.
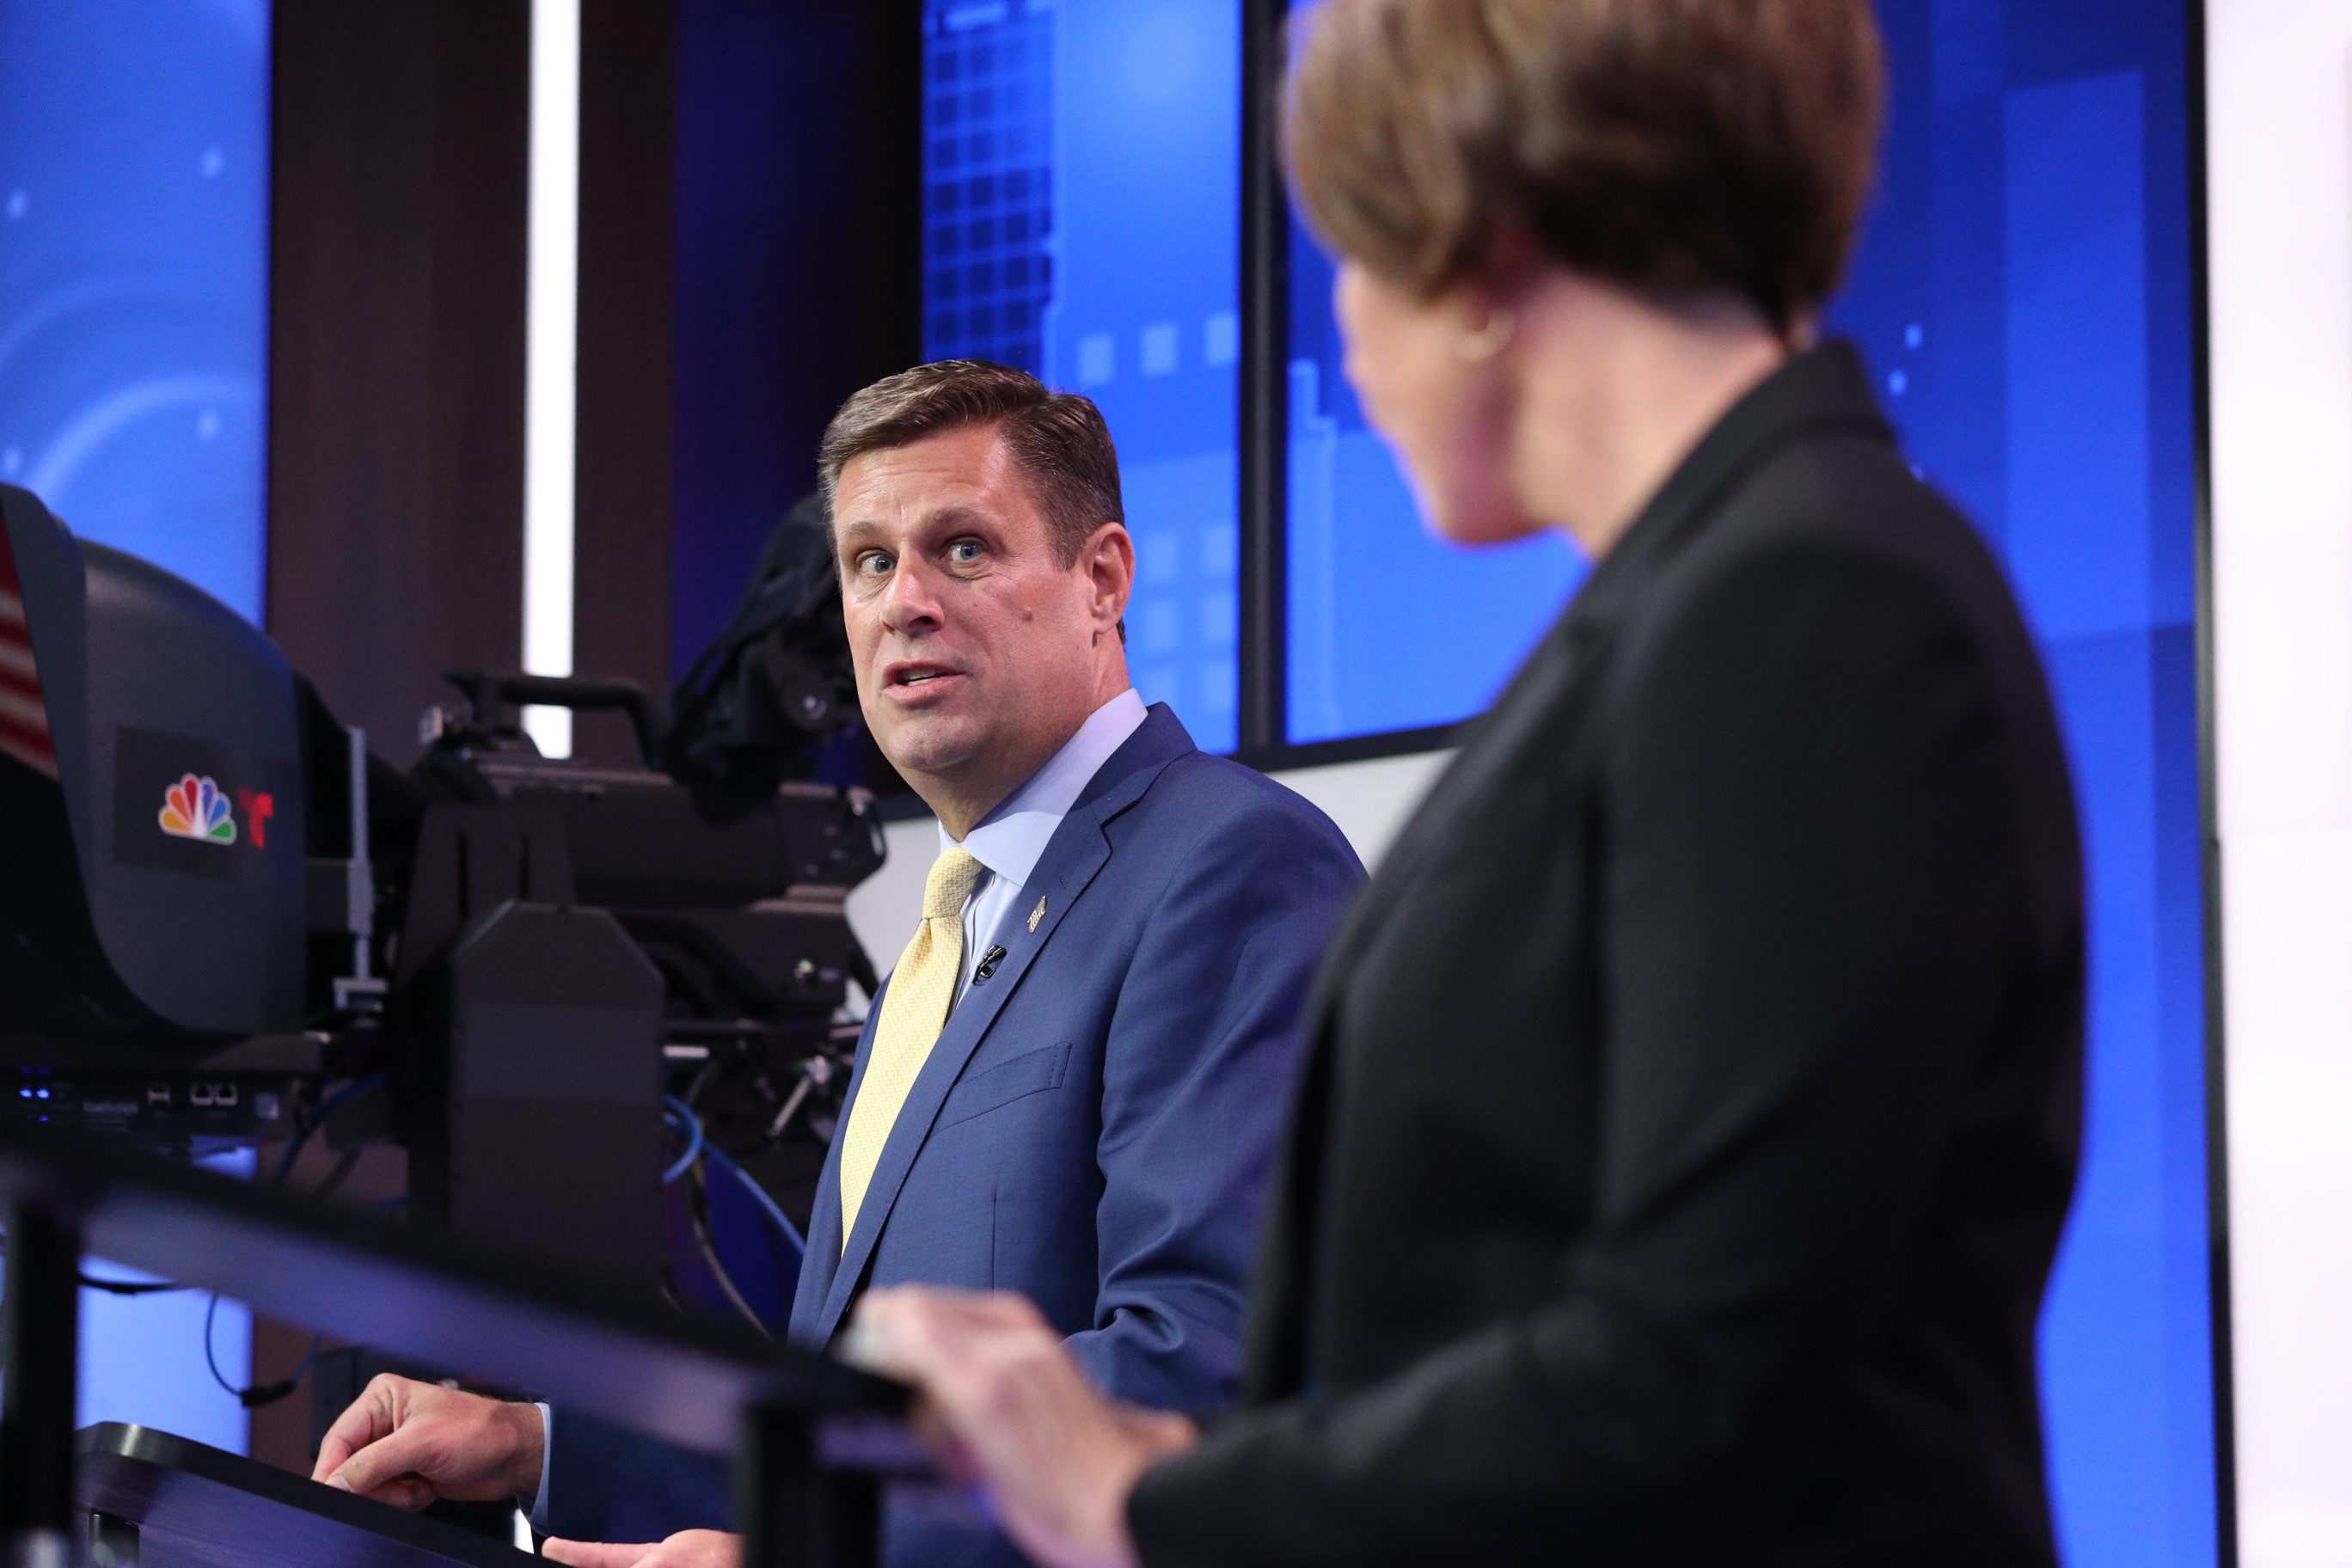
914,1010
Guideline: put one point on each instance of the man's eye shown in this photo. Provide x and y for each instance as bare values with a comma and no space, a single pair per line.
964,552
874,563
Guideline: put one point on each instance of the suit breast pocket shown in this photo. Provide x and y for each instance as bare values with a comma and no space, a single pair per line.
1033,1072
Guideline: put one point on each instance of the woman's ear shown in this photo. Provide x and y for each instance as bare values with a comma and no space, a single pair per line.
1487,329
1487,304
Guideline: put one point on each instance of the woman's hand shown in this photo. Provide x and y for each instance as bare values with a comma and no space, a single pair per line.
1005,1409
686,1548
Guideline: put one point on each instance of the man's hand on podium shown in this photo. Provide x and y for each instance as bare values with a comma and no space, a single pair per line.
686,1548
407,1442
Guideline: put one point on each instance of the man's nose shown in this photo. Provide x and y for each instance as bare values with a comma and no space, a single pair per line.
910,603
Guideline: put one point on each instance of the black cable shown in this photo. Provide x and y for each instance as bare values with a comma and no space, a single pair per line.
316,1117
698,1223
701,1080
131,1287
363,1041
260,1394
117,1286
345,1165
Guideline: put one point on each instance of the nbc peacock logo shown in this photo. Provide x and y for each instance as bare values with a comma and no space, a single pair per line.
196,808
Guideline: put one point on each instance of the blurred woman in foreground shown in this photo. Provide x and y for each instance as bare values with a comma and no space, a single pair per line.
1692,1096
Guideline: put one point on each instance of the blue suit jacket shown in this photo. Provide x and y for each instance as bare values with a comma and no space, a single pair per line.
1095,1127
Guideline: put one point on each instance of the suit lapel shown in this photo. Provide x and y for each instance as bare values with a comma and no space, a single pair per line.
1534,705
1076,853
821,1259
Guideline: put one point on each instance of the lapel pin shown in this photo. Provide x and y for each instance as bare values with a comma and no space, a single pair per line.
1036,915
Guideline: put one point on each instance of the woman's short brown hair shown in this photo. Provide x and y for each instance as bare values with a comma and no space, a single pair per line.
1675,147
1059,438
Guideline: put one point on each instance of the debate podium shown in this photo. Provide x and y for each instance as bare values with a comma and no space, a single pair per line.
813,1441
154,1500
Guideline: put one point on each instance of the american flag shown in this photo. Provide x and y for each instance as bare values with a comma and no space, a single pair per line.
24,718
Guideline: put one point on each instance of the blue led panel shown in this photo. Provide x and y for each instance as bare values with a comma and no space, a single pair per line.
2024,292
1389,629
987,119
1082,199
134,179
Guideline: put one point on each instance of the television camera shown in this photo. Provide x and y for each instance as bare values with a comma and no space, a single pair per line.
225,921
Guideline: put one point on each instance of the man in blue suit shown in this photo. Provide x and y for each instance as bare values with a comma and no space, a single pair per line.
1074,1083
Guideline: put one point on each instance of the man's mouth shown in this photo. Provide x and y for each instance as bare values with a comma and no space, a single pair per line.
915,677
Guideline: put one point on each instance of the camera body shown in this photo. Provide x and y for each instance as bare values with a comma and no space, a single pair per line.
225,920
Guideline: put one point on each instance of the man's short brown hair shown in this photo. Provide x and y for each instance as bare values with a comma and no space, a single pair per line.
1058,439
1679,148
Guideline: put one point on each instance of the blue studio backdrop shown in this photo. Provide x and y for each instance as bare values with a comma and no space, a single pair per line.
134,251
2024,292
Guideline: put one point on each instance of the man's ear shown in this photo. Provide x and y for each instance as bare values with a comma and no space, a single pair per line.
1108,561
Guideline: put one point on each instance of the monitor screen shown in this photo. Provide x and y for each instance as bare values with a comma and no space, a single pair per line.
1082,204
134,258
1387,628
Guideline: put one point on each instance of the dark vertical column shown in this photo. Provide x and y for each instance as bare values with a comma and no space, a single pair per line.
889,274
628,202
775,1472
2209,838
39,1330
400,143
1264,384
799,261
794,1514
113,1542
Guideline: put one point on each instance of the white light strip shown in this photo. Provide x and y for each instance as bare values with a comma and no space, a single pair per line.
552,340
2279,232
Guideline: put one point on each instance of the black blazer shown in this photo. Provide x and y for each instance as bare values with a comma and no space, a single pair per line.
1693,1094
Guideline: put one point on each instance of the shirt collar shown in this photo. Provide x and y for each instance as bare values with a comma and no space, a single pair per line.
1012,838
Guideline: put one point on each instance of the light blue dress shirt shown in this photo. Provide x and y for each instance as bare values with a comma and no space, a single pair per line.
1010,840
